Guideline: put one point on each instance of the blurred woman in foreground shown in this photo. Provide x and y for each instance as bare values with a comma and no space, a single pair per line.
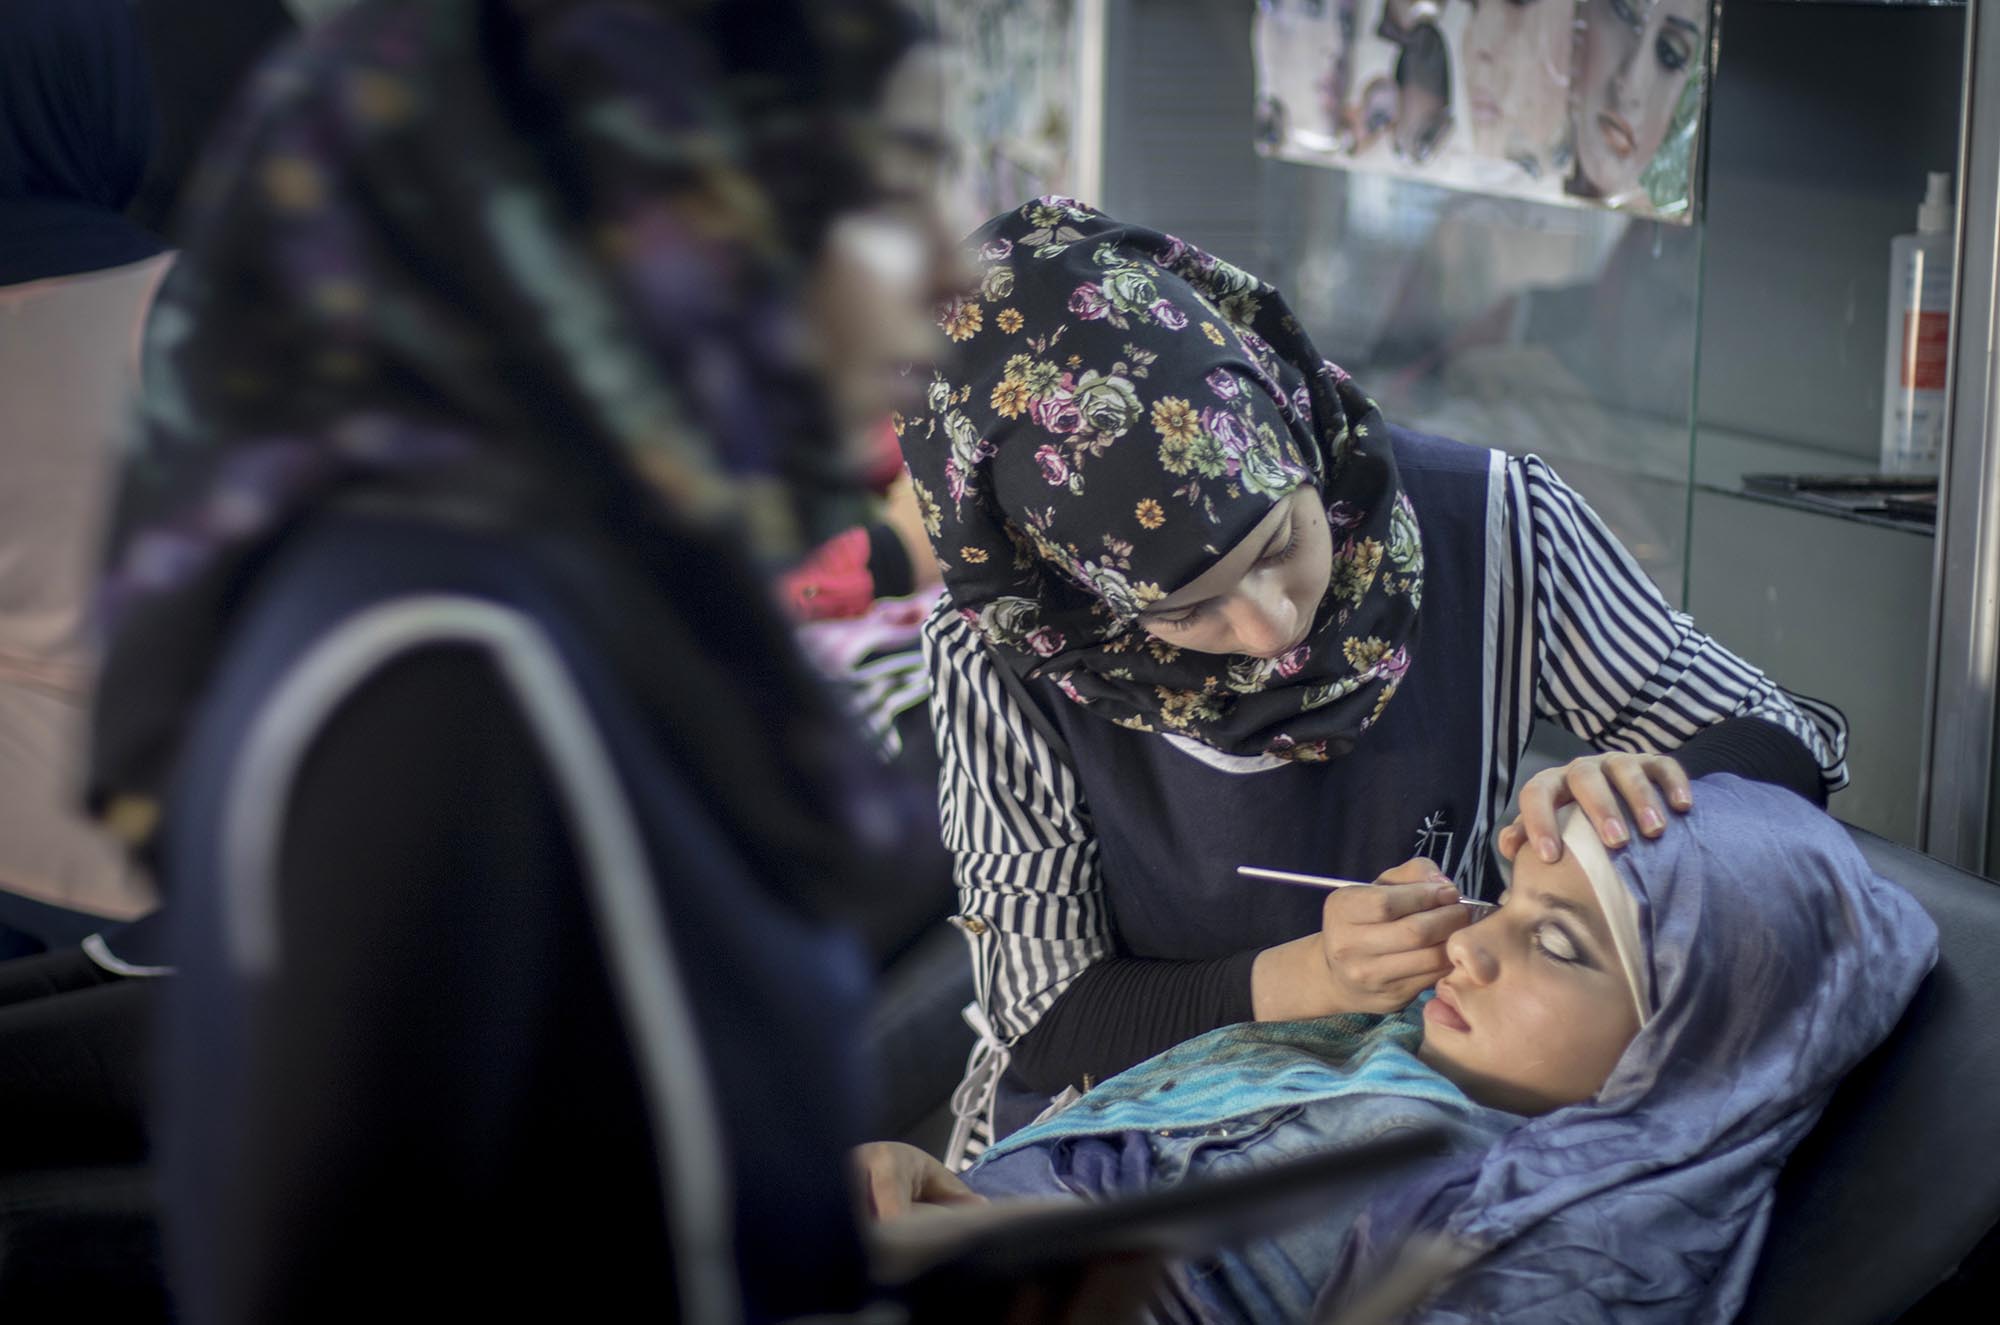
503,831
77,125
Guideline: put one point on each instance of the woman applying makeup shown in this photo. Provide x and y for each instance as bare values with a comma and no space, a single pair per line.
1208,608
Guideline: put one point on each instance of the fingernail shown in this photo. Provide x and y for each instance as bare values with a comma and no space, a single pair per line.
1546,848
1439,876
1446,894
1682,800
1614,833
1650,820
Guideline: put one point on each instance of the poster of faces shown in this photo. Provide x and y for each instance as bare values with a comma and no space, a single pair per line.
1589,102
1010,84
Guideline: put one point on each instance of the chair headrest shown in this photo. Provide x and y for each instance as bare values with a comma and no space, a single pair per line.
1901,1179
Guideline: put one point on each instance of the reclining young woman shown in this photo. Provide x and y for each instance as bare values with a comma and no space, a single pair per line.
1621,1056
1208,607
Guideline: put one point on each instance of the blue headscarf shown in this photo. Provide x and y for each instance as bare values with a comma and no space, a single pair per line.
1779,959
76,127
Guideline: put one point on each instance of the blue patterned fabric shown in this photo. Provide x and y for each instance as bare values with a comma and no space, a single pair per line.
1241,1070
1239,1099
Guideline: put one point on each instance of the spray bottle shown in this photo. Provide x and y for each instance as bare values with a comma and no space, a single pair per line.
1920,286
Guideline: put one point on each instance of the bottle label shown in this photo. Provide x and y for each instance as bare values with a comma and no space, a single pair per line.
1926,350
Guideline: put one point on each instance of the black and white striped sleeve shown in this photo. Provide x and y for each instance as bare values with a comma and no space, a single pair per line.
1613,662
1024,851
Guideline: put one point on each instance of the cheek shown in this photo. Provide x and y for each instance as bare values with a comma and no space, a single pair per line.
1312,570
1666,95
1481,52
1559,46
871,283
1573,1035
1599,61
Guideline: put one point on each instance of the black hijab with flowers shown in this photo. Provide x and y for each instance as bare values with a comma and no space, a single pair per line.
541,258
1118,411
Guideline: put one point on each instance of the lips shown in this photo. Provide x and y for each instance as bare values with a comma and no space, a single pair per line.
1485,110
1617,135
1444,1011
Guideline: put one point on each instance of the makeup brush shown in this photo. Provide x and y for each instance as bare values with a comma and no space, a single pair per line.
1325,881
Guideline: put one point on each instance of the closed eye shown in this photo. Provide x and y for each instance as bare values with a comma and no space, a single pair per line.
1187,616
1181,620
1554,942
1284,553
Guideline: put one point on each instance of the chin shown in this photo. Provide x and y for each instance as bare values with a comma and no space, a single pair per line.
1604,179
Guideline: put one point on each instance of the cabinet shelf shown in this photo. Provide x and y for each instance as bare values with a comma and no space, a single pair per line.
1921,528
1871,4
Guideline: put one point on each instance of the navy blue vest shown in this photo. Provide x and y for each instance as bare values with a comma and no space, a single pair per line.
1172,829
779,997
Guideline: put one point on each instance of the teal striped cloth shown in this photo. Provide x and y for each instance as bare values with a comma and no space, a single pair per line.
1250,1067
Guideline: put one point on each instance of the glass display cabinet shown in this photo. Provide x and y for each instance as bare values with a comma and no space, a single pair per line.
1680,376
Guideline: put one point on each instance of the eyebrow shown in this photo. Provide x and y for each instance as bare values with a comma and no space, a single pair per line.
928,142
1262,553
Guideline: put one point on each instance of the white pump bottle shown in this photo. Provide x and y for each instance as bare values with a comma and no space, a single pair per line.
1920,288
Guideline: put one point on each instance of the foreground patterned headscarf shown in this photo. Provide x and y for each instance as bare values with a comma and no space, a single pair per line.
541,258
1777,959
1119,410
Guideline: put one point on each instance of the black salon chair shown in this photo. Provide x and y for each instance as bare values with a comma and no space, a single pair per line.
81,1245
1888,1210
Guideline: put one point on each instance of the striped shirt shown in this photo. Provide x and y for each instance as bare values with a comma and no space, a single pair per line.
1576,634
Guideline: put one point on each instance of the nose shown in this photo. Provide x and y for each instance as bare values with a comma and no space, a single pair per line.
1471,957
1262,615
952,269
1630,77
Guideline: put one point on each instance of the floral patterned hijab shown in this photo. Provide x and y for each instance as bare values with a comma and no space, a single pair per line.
540,258
1120,410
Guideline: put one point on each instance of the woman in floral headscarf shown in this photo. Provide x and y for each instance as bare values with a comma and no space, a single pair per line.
1209,608
503,833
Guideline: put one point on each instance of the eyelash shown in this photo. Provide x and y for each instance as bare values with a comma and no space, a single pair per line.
1535,941
1194,614
1543,948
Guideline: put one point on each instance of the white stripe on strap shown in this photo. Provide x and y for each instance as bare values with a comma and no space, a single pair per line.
625,900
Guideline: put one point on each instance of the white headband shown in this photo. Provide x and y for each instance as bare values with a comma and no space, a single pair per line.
1620,907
